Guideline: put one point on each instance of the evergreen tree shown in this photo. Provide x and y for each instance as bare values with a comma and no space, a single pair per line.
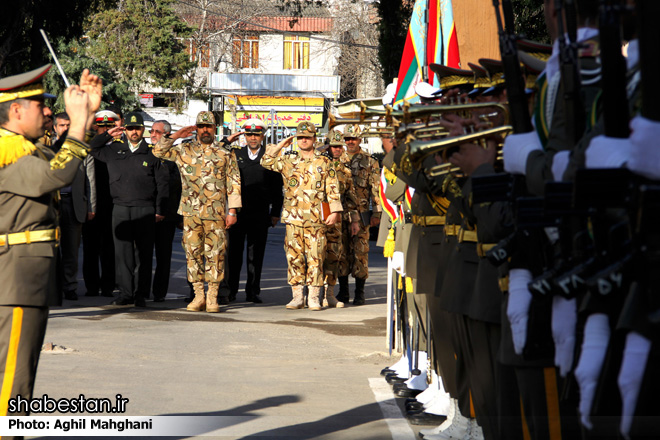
394,20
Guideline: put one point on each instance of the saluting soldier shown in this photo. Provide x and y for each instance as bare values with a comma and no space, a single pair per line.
28,218
309,181
335,251
366,178
210,198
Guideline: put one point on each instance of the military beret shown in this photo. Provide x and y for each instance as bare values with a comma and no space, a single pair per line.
306,129
25,85
336,138
205,118
352,131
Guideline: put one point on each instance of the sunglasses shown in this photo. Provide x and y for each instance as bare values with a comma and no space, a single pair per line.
132,128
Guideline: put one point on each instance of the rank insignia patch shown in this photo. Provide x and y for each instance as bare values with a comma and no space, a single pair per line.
293,181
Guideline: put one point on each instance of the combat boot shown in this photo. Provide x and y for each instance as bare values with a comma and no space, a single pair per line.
198,304
343,290
212,305
297,301
330,300
313,299
358,300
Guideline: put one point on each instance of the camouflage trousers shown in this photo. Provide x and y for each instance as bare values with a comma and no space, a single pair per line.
204,242
355,260
334,252
305,251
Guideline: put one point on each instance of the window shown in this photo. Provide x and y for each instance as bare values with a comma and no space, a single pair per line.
245,51
296,52
200,52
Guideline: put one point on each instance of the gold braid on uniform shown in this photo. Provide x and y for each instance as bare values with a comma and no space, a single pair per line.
13,146
71,148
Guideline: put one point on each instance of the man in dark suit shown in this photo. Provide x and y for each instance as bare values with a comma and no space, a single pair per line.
261,192
139,189
77,205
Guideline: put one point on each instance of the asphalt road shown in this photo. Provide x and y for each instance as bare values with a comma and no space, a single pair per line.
256,371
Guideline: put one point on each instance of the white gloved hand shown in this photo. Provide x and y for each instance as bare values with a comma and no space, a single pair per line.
633,366
559,164
607,152
517,309
398,263
594,349
564,319
645,154
516,150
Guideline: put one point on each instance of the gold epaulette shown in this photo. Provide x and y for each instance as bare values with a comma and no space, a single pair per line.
70,149
390,176
13,146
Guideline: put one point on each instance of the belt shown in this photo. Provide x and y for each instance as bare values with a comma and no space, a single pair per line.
28,237
465,235
482,248
451,230
429,220
503,283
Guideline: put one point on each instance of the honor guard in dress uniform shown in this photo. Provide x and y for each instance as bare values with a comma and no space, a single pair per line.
311,203
210,197
262,198
28,218
366,176
335,251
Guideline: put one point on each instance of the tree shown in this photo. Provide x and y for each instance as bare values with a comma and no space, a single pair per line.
529,20
393,27
142,42
21,45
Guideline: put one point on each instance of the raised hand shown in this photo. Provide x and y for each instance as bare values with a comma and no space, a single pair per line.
76,102
93,86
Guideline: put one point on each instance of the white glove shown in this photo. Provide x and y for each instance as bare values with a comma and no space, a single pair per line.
559,164
517,310
594,349
645,154
564,319
635,356
398,263
516,149
607,152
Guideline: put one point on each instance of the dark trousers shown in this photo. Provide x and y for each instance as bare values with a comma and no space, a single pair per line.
98,244
133,228
256,234
22,331
164,236
71,231
443,350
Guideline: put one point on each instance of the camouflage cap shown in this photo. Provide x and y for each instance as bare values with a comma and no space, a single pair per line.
253,125
134,120
25,85
205,118
306,129
336,137
352,131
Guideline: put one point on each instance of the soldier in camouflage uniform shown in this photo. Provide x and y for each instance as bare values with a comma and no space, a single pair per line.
334,251
210,196
309,181
366,179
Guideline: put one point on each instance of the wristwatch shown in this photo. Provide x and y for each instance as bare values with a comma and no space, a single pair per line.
232,214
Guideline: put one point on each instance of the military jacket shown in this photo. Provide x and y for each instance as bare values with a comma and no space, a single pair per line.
307,184
347,190
210,180
28,184
366,178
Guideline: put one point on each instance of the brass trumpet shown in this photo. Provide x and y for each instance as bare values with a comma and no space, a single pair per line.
447,168
419,150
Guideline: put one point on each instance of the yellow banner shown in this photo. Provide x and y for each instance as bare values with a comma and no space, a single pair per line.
288,119
276,100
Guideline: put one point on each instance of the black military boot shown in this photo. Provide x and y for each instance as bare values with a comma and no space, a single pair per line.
343,290
359,291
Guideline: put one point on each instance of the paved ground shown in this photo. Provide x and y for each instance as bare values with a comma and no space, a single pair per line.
262,370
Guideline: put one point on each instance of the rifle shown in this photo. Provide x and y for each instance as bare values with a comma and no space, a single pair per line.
649,36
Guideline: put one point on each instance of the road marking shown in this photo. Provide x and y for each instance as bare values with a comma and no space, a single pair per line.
397,423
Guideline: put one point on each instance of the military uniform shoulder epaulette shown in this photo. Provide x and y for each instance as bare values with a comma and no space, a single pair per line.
291,152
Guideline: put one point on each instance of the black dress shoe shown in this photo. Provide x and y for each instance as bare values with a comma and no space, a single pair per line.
386,371
424,418
393,378
159,299
121,302
254,298
140,302
223,300
107,293
71,295
406,392
359,301
415,406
